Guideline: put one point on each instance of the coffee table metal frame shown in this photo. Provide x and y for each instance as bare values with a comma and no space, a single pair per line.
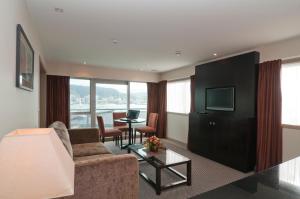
159,166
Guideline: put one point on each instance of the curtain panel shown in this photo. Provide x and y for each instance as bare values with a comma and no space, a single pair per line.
58,92
157,103
269,129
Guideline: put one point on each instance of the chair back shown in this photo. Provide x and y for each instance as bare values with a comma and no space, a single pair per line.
101,125
118,115
152,120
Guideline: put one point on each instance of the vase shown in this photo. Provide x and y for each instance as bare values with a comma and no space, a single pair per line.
153,148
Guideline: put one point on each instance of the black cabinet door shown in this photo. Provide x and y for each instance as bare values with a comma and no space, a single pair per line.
200,139
193,136
206,136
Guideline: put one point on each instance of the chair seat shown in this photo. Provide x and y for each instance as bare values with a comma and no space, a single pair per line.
112,132
145,129
122,128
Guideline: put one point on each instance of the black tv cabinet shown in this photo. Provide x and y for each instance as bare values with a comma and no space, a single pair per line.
228,137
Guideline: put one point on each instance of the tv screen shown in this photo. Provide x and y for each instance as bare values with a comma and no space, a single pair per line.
221,99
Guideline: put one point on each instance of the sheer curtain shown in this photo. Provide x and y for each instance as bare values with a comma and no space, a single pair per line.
290,85
179,96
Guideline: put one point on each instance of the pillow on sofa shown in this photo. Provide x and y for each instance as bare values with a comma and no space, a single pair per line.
62,132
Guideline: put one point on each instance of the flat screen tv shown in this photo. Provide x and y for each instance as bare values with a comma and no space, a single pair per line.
220,99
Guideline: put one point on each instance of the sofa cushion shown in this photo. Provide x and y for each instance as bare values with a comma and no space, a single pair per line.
91,157
88,149
62,132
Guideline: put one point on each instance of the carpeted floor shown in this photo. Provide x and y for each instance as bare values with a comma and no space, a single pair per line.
206,174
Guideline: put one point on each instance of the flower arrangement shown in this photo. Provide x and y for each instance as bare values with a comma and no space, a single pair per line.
152,143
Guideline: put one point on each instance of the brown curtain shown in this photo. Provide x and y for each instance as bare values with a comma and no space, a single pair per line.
157,103
193,91
269,130
162,109
58,92
152,98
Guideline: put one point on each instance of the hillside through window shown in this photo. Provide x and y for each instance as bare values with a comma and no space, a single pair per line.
80,111
89,98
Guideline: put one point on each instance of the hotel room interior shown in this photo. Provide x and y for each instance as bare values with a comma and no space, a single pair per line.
127,99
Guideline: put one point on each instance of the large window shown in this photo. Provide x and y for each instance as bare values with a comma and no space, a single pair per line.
80,111
138,97
179,96
290,85
89,98
110,98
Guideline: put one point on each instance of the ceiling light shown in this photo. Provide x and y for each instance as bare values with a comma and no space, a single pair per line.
58,10
114,41
178,53
215,54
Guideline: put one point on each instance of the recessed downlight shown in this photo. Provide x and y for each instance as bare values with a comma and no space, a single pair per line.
59,10
215,54
178,53
115,41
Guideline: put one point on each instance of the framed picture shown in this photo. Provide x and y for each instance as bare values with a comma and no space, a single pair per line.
25,61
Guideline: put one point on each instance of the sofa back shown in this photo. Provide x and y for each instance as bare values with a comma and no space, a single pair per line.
84,135
62,132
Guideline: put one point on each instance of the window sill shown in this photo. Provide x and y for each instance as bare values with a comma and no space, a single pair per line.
289,126
175,113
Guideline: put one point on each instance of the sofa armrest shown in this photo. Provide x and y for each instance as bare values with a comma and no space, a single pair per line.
84,135
112,177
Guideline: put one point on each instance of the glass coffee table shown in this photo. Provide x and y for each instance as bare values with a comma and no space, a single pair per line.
163,159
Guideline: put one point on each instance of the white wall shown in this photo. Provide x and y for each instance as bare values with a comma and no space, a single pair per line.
19,108
177,127
290,144
76,70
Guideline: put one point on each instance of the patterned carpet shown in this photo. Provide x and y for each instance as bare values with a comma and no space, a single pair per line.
206,174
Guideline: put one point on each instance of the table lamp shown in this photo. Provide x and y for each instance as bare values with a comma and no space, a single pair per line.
34,164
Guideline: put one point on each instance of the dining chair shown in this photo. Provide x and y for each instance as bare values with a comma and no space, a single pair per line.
148,130
104,132
120,125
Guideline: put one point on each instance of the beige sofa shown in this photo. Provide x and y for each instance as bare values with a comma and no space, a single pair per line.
98,172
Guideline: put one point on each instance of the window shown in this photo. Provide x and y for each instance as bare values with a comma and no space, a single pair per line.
138,97
89,98
290,86
110,98
179,96
80,111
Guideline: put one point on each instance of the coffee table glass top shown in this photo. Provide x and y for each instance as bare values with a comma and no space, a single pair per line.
163,157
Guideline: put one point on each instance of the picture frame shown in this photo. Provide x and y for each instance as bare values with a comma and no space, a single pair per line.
24,61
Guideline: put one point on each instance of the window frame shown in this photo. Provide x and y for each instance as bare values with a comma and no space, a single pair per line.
93,82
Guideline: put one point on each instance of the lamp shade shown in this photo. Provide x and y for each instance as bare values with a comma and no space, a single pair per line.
34,164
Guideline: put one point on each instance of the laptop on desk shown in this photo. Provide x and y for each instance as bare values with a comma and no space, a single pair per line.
131,115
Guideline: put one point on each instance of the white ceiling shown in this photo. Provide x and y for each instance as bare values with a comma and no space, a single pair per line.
150,31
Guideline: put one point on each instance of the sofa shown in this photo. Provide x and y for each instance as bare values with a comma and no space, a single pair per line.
98,172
